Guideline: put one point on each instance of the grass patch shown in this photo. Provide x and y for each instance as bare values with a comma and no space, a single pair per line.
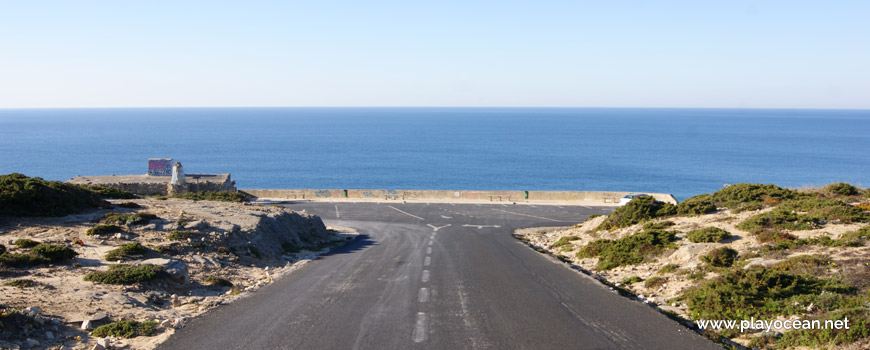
222,196
126,329
179,235
661,225
707,235
32,196
126,250
628,250
631,280
655,282
668,269
827,209
124,274
217,281
720,257
25,243
20,283
129,219
103,230
639,209
565,243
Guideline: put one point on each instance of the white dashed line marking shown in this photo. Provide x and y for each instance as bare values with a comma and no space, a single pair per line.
425,277
406,213
421,330
430,242
427,261
531,216
446,217
337,215
429,250
424,295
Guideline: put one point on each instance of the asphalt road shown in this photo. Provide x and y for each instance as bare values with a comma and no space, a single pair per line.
436,276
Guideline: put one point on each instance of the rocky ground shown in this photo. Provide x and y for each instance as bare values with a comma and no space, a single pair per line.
681,266
210,253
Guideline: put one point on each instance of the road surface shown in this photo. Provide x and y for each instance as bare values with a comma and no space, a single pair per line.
436,276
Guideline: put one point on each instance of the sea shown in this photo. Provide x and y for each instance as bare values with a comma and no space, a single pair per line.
680,151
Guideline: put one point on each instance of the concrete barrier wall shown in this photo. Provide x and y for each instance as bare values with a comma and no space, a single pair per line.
513,196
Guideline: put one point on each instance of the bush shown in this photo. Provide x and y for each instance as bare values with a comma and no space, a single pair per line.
20,283
32,196
720,257
628,250
565,243
593,216
661,225
25,243
103,230
109,192
859,328
778,219
631,280
126,329
738,195
842,189
126,250
639,209
668,269
179,235
128,219
827,209
21,259
53,253
217,281
707,235
697,205
222,196
655,282
124,274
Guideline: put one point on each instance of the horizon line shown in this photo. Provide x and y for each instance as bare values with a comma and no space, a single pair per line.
434,107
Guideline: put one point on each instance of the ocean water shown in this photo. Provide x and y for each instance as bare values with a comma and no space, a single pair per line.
679,151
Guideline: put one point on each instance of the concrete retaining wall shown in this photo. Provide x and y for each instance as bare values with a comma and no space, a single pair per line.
441,195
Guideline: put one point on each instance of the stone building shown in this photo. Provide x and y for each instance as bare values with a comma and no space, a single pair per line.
163,178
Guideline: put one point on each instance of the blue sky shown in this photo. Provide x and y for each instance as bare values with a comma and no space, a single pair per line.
742,54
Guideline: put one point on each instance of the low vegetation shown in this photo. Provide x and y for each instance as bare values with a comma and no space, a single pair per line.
707,235
628,250
20,283
720,257
32,196
126,329
129,219
668,269
124,274
697,205
179,235
109,192
631,280
217,281
565,243
842,189
25,243
39,254
222,196
638,210
126,250
103,230
655,282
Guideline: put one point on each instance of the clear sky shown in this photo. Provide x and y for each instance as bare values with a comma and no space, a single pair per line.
744,54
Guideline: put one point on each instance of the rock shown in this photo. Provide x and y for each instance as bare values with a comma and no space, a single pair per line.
175,301
176,269
178,323
118,235
86,325
811,307
165,323
99,316
31,343
104,342
98,347
49,335
32,311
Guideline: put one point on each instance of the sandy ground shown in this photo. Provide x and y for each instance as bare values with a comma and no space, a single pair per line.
64,300
686,256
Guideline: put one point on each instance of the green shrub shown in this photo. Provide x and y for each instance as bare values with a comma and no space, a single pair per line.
628,250
32,196
109,192
655,282
128,219
631,280
126,329
124,274
741,194
22,259
53,253
565,243
827,209
217,281
668,269
222,196
778,219
126,250
179,235
697,205
593,216
639,209
20,283
661,225
2,249
707,235
25,243
842,189
720,257
859,328
103,230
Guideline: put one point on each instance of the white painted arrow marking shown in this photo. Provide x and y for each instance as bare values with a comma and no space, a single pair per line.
481,226
406,213
436,228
